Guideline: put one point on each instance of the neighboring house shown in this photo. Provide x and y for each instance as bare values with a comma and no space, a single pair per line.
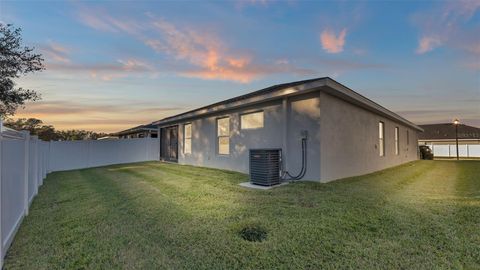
347,133
142,131
441,139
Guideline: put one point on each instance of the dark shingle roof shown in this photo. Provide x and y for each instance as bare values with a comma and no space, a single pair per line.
446,131
135,129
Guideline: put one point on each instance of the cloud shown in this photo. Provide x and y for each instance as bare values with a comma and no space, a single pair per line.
71,107
447,25
427,44
205,51
100,20
103,115
106,71
207,56
55,52
332,43
211,57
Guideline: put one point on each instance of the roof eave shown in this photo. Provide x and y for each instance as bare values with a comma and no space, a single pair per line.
326,84
281,93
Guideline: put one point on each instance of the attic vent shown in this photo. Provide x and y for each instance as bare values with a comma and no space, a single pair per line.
265,166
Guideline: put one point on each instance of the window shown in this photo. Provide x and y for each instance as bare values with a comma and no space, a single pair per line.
408,138
397,144
187,138
251,120
381,140
223,135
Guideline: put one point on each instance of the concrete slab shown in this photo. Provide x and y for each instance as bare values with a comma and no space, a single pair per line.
250,185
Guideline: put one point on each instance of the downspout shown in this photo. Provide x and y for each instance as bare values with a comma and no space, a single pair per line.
285,134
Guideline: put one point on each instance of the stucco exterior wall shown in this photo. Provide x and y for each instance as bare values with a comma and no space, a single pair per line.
349,140
281,130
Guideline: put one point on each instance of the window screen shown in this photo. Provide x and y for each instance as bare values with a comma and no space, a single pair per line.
397,143
223,135
187,139
251,120
381,140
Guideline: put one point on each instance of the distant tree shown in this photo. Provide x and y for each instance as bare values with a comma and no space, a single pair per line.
48,132
30,124
16,60
73,134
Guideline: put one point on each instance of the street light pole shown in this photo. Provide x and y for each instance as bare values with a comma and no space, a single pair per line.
456,122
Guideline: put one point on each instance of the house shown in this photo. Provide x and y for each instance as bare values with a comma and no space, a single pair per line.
319,125
142,131
441,139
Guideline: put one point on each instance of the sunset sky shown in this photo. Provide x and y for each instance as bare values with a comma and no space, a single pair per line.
113,65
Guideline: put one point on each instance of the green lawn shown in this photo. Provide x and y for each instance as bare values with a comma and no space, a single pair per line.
424,214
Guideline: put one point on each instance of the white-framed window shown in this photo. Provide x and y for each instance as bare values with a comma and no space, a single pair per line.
381,139
187,138
251,120
397,141
223,136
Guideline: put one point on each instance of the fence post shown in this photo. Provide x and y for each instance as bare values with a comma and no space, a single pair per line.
35,163
26,137
1,233
49,144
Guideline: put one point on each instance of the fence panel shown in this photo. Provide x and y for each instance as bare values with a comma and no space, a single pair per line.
25,161
86,154
450,150
22,170
474,150
13,187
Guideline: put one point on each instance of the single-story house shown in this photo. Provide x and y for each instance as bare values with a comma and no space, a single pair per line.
142,131
319,126
441,139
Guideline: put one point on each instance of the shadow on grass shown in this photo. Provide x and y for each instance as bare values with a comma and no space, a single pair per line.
155,215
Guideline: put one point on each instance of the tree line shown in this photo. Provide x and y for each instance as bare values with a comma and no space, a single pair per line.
49,133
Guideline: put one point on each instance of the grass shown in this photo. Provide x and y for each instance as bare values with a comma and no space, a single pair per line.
421,215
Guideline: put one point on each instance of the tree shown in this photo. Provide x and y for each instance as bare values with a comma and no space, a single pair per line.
48,132
35,127
30,124
16,60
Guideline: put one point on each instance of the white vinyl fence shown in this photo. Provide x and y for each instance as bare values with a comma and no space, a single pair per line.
450,150
69,155
25,161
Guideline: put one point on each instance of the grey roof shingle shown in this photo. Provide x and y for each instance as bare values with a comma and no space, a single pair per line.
445,131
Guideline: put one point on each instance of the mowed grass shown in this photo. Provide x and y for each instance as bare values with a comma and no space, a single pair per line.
421,215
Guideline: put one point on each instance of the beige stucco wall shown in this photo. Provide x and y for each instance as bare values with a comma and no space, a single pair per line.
303,113
349,140
342,138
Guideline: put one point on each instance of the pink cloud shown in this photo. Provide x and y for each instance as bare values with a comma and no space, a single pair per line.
101,115
427,44
331,42
446,26
55,52
205,51
99,20
207,54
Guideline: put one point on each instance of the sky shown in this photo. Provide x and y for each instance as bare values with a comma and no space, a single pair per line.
112,65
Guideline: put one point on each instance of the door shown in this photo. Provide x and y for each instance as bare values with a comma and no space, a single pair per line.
169,144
